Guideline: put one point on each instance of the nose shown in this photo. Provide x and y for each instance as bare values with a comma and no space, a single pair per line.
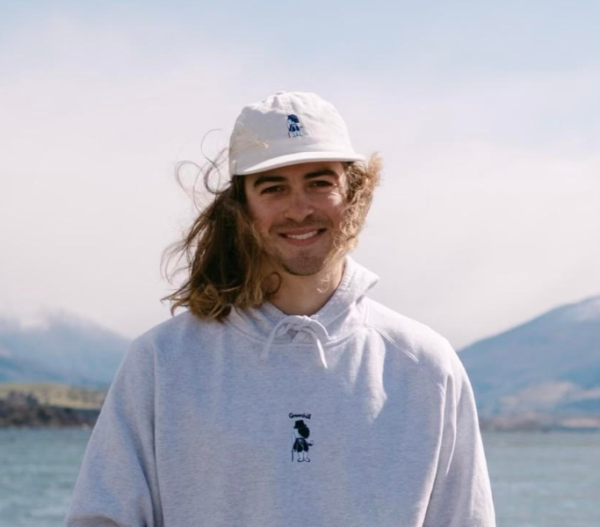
300,206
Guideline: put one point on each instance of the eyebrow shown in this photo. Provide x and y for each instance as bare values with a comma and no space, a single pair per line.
278,179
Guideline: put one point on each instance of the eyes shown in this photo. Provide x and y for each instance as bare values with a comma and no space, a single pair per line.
317,185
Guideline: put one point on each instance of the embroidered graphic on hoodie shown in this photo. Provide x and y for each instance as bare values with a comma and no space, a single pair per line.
299,436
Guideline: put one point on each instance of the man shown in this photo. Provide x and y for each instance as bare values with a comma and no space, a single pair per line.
284,396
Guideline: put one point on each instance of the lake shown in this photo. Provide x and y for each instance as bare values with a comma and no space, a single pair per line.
538,479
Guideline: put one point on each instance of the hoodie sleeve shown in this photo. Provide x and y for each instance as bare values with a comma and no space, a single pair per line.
117,483
461,495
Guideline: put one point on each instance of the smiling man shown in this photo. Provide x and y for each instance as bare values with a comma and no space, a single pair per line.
298,211
309,222
284,395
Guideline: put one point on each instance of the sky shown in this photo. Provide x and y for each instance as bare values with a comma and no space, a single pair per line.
486,115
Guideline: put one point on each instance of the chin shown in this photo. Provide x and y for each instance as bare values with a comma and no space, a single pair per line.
309,265
303,267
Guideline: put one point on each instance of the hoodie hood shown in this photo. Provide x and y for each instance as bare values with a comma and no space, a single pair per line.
341,316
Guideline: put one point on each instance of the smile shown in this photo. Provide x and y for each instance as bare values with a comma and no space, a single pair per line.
302,236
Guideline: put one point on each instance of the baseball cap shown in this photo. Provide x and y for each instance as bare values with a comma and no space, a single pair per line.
285,129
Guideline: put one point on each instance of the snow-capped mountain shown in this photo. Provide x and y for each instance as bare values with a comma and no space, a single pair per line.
548,364
62,348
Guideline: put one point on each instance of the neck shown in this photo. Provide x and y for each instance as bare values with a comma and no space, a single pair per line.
305,295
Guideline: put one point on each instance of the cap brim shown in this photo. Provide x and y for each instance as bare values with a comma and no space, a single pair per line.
294,159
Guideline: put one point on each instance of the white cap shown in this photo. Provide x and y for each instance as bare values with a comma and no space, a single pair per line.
285,129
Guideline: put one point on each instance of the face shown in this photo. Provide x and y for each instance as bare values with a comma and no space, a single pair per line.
298,211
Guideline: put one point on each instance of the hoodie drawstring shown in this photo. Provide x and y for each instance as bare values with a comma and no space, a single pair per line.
300,324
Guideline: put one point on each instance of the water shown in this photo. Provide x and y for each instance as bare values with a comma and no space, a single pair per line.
38,469
538,479
545,479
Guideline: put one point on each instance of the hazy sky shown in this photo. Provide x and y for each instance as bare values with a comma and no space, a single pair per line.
486,115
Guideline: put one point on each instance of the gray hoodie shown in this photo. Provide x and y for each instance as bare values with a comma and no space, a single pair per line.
356,416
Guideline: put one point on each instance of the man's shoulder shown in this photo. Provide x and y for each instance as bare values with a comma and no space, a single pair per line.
413,339
176,332
401,329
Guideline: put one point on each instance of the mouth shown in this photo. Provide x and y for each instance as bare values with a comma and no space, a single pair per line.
302,238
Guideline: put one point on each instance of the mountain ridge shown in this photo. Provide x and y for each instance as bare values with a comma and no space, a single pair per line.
550,362
62,348
548,365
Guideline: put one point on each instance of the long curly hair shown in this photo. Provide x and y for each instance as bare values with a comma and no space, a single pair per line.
222,250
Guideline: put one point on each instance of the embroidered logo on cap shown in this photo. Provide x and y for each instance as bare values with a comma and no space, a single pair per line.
294,126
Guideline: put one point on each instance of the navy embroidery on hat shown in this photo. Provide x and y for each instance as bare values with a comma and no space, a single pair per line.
294,126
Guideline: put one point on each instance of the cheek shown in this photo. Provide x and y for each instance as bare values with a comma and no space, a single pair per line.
335,204
337,200
337,196
262,217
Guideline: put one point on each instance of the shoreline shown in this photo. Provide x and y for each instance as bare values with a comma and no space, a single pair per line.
24,410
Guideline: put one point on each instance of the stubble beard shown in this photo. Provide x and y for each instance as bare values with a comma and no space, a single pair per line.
305,262
304,265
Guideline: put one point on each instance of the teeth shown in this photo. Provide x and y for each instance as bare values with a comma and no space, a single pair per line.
302,236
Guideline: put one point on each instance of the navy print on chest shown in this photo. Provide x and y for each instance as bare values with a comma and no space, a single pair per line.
300,435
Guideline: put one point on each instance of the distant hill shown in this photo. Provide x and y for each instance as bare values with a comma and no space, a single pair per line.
62,349
549,365
543,372
49,405
59,395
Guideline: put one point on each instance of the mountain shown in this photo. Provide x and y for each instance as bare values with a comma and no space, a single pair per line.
549,364
63,349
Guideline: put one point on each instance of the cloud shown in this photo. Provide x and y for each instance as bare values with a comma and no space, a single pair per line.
487,202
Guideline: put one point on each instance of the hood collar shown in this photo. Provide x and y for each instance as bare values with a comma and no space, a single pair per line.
299,324
272,326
